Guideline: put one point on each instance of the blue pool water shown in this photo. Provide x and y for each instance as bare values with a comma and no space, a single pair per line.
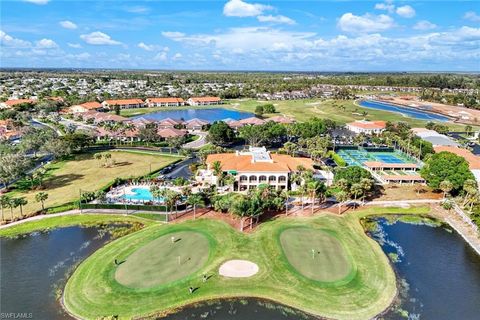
416,114
211,115
358,157
140,194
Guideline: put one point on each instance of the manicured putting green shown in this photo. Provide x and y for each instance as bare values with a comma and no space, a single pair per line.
162,261
315,254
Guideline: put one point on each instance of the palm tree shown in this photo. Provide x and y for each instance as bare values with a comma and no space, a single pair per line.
240,209
12,204
341,197
470,187
446,186
367,185
217,170
98,157
356,190
20,202
41,197
195,200
4,202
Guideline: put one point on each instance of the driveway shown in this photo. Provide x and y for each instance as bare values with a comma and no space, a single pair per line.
197,144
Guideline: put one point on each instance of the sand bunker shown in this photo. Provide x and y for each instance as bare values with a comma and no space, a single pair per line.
238,269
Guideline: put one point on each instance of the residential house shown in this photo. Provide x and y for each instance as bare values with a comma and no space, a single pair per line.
171,133
367,127
11,103
164,102
204,101
123,104
168,123
195,124
87,106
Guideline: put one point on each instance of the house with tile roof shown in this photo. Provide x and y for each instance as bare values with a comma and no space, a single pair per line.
14,102
168,123
123,104
204,101
367,127
195,124
87,106
164,102
254,167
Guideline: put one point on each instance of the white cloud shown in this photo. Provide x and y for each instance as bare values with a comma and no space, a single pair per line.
365,24
46,44
388,6
146,47
99,38
74,45
424,25
68,24
80,56
137,9
9,41
276,19
177,56
471,16
239,8
161,56
173,34
40,2
406,11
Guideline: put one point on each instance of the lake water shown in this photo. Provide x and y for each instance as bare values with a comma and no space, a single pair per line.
439,273
210,114
32,266
408,112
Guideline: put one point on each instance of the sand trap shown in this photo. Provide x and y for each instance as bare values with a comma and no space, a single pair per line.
238,269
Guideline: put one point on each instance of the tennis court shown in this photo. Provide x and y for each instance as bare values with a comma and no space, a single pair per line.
359,156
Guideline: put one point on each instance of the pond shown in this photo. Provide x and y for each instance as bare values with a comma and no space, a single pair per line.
438,272
405,111
210,114
32,267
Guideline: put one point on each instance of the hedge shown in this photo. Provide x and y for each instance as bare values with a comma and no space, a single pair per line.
133,207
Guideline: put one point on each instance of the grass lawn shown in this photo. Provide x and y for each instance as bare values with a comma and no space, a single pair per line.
93,290
316,254
65,179
337,110
162,260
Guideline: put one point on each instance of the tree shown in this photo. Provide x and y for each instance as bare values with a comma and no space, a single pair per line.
341,197
220,134
58,148
352,174
259,110
12,166
446,186
20,202
4,203
446,166
269,108
240,208
98,157
195,200
41,197
148,133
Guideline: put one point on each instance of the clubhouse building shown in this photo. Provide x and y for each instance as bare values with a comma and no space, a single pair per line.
254,167
367,127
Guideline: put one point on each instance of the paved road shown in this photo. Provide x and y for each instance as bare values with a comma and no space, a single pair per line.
197,144
181,169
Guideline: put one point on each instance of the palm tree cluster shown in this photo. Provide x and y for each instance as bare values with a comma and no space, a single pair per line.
347,190
12,203
107,162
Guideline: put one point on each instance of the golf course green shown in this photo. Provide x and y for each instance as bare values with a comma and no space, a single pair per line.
316,254
168,258
350,277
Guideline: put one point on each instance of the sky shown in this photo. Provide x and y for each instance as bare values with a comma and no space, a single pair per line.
252,35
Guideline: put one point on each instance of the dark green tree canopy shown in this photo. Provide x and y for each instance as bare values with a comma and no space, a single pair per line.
446,166
220,133
352,175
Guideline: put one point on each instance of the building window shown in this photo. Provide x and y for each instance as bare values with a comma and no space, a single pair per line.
262,178
253,178
282,179
243,178
272,179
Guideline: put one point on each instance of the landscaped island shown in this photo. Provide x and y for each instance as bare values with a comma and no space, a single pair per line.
330,268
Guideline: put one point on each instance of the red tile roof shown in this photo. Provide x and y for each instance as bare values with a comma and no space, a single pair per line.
124,101
171,133
14,102
378,164
368,124
473,160
165,100
205,99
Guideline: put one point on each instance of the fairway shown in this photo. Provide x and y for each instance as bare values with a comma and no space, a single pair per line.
162,260
315,254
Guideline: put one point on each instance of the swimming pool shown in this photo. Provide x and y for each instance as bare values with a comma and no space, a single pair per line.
409,112
140,194
357,157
